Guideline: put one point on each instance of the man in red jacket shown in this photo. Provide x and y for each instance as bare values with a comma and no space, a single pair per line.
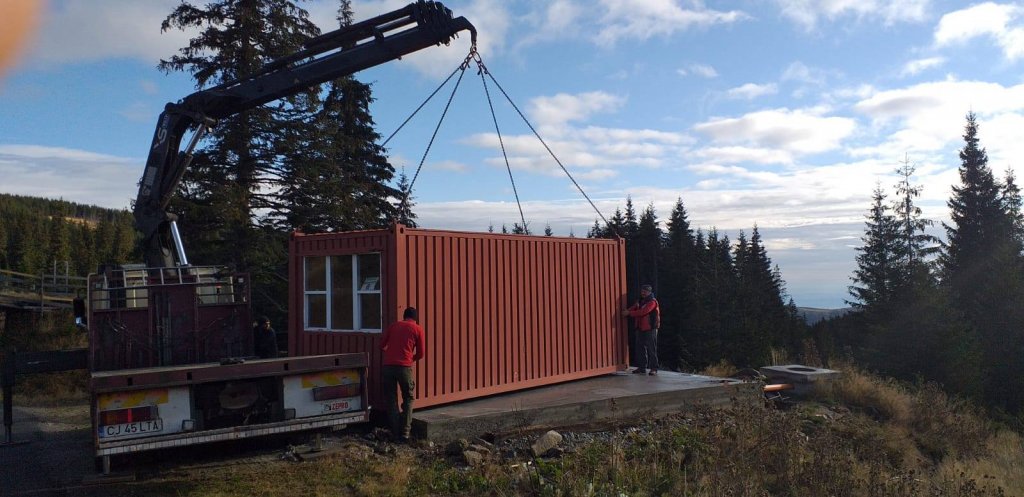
403,346
646,314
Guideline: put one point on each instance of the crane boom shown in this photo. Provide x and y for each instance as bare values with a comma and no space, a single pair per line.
327,57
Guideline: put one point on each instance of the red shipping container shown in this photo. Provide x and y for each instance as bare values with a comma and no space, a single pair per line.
500,312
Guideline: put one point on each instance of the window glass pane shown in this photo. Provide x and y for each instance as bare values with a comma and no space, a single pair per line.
369,307
316,311
341,292
369,273
316,274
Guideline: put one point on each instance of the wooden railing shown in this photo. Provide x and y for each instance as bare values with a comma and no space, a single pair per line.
43,291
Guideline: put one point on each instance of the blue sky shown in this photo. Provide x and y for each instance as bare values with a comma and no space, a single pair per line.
780,113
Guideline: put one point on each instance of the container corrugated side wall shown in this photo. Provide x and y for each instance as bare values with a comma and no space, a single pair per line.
503,313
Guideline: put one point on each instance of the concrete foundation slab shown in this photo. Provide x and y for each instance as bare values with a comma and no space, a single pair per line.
593,401
803,378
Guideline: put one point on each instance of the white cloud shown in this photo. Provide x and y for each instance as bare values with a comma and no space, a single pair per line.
563,108
643,19
139,112
77,31
589,152
488,16
986,19
794,131
149,87
751,91
552,20
131,29
928,117
917,65
737,155
75,175
798,71
702,70
808,13
450,165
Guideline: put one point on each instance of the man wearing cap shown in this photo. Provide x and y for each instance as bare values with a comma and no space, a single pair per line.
646,315
402,344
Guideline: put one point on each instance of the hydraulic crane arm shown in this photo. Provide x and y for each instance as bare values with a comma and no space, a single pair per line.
330,56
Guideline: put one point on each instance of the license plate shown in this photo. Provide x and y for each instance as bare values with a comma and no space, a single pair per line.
337,406
122,430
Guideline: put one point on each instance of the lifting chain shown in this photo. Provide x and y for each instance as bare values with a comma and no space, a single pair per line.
482,71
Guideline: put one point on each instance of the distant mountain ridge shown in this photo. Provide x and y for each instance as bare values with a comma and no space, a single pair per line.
813,314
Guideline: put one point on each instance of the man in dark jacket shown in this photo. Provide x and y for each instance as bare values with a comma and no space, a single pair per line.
646,314
264,339
402,345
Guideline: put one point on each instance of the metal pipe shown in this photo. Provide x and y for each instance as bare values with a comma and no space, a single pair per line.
182,258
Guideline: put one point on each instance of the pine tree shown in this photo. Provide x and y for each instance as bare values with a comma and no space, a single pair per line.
616,225
235,175
878,270
60,244
983,271
679,335
547,230
629,224
1012,205
28,252
980,223
915,245
647,243
404,209
4,263
123,248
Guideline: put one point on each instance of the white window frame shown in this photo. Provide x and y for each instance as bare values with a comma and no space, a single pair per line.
325,292
357,292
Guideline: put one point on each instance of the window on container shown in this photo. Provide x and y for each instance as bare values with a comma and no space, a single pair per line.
368,291
342,313
343,292
315,292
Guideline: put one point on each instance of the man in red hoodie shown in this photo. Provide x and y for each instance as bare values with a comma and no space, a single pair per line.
403,346
646,313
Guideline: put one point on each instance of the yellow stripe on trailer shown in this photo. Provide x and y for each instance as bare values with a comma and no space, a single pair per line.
122,400
330,378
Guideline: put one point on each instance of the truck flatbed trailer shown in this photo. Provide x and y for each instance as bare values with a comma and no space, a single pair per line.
152,408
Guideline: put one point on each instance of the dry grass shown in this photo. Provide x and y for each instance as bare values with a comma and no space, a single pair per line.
721,369
50,331
866,437
882,398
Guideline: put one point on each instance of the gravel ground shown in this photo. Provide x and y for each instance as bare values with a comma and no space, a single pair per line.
56,455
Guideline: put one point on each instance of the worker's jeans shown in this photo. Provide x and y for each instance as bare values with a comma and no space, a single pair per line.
395,378
647,349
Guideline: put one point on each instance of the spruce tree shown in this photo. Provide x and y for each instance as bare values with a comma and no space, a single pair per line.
980,223
680,336
235,174
4,264
404,210
982,271
915,245
1012,205
878,270
60,243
